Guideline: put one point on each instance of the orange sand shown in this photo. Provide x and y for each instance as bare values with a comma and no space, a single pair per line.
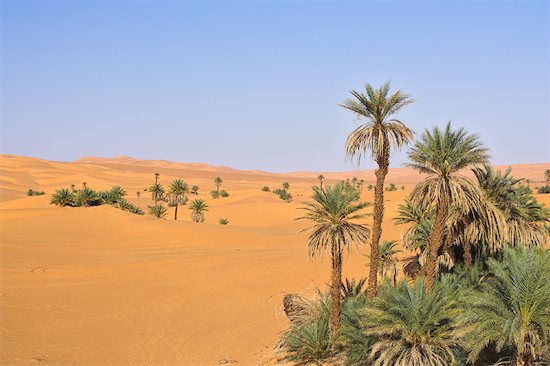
98,286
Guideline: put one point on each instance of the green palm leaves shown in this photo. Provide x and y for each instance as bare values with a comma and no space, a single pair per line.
177,194
512,309
198,207
62,197
411,326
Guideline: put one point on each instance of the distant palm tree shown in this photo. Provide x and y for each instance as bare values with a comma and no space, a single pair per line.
62,197
157,175
218,181
157,193
412,327
176,194
286,186
138,193
84,184
198,207
442,154
547,176
332,214
118,192
370,187
73,187
87,197
377,136
321,178
511,309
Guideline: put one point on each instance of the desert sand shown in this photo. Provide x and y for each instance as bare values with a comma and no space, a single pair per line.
99,286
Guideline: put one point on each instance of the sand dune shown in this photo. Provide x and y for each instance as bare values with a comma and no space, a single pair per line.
98,286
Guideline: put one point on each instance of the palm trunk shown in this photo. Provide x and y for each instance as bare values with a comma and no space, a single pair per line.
376,228
435,242
336,280
176,212
467,253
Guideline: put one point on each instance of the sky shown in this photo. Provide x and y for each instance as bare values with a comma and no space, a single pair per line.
256,85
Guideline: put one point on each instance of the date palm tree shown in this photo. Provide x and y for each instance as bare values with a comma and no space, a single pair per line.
198,207
511,309
321,178
157,192
63,197
286,186
442,154
176,194
388,261
547,176
218,181
412,327
380,132
333,213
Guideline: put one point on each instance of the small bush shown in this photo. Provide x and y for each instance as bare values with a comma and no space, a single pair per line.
224,194
265,189
158,211
284,195
62,197
195,189
223,221
32,192
215,194
392,187
127,206
544,190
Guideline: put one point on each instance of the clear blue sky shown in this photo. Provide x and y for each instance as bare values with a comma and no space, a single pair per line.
256,85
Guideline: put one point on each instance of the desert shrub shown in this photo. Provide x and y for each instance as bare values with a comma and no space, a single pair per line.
118,192
265,189
223,221
284,195
544,190
87,197
108,197
63,197
159,211
214,194
370,187
32,192
224,193
392,187
307,340
124,205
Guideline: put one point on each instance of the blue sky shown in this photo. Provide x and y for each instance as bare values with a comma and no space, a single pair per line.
256,85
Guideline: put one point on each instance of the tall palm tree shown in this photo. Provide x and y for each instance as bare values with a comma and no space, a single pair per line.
176,194
198,207
286,186
547,176
332,213
157,175
412,327
321,178
377,136
442,154
157,192
218,181
511,309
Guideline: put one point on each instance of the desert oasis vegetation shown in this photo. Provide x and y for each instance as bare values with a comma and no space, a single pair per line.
275,183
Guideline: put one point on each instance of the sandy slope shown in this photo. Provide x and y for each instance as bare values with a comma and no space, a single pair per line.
97,286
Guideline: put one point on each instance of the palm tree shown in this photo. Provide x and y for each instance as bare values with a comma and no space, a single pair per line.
195,189
138,193
157,175
388,261
157,192
73,189
321,178
118,192
332,214
86,197
511,309
442,154
176,194
84,184
218,181
62,197
525,218
547,176
198,207
412,327
159,211
377,136
286,186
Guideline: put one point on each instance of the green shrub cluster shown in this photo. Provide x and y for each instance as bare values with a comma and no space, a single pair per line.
544,190
32,192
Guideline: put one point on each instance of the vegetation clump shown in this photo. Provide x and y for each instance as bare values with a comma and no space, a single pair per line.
223,221
198,208
32,192
159,211
265,189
